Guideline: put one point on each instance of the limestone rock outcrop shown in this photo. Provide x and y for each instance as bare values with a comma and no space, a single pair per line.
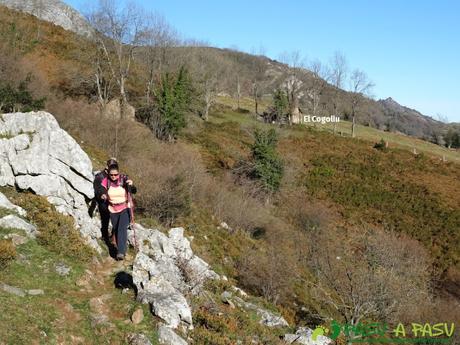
165,270
53,11
37,155
166,336
304,336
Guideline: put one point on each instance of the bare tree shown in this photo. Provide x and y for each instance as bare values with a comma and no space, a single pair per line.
360,86
319,77
258,76
370,274
293,83
442,118
209,70
119,30
338,69
159,39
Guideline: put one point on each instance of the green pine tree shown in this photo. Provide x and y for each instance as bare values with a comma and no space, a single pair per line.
280,103
172,100
268,167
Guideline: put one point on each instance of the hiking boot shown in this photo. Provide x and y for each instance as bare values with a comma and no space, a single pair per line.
120,256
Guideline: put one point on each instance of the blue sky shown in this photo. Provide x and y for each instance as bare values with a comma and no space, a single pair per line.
410,49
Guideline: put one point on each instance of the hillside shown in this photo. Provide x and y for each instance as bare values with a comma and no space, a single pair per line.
354,232
385,115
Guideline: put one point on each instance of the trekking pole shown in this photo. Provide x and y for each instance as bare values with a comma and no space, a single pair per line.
131,212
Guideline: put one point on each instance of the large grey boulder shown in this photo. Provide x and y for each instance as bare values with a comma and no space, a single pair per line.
5,203
165,270
54,11
166,336
37,155
14,222
167,302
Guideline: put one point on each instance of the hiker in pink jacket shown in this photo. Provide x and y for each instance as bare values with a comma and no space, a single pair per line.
115,190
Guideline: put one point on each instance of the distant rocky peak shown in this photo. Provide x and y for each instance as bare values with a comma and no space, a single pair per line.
53,11
390,102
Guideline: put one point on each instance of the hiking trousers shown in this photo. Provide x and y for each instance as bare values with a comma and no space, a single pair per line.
120,222
105,219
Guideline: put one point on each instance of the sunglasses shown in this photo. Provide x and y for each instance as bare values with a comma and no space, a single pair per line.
113,174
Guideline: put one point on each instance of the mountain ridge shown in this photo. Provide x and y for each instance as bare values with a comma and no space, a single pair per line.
53,11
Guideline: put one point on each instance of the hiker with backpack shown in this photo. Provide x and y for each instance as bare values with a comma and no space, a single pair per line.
116,189
101,203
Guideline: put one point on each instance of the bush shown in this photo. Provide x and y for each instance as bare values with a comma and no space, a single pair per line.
7,253
19,99
267,272
171,202
388,274
382,145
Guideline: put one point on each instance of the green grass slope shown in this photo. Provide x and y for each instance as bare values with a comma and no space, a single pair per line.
397,190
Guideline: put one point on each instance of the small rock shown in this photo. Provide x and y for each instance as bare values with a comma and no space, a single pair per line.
99,319
14,222
267,318
225,226
225,296
12,290
137,316
138,339
16,239
304,336
166,336
5,203
35,292
271,320
240,291
62,269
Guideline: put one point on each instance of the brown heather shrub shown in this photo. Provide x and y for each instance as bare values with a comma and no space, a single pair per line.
57,232
169,176
82,120
270,270
7,253
369,273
